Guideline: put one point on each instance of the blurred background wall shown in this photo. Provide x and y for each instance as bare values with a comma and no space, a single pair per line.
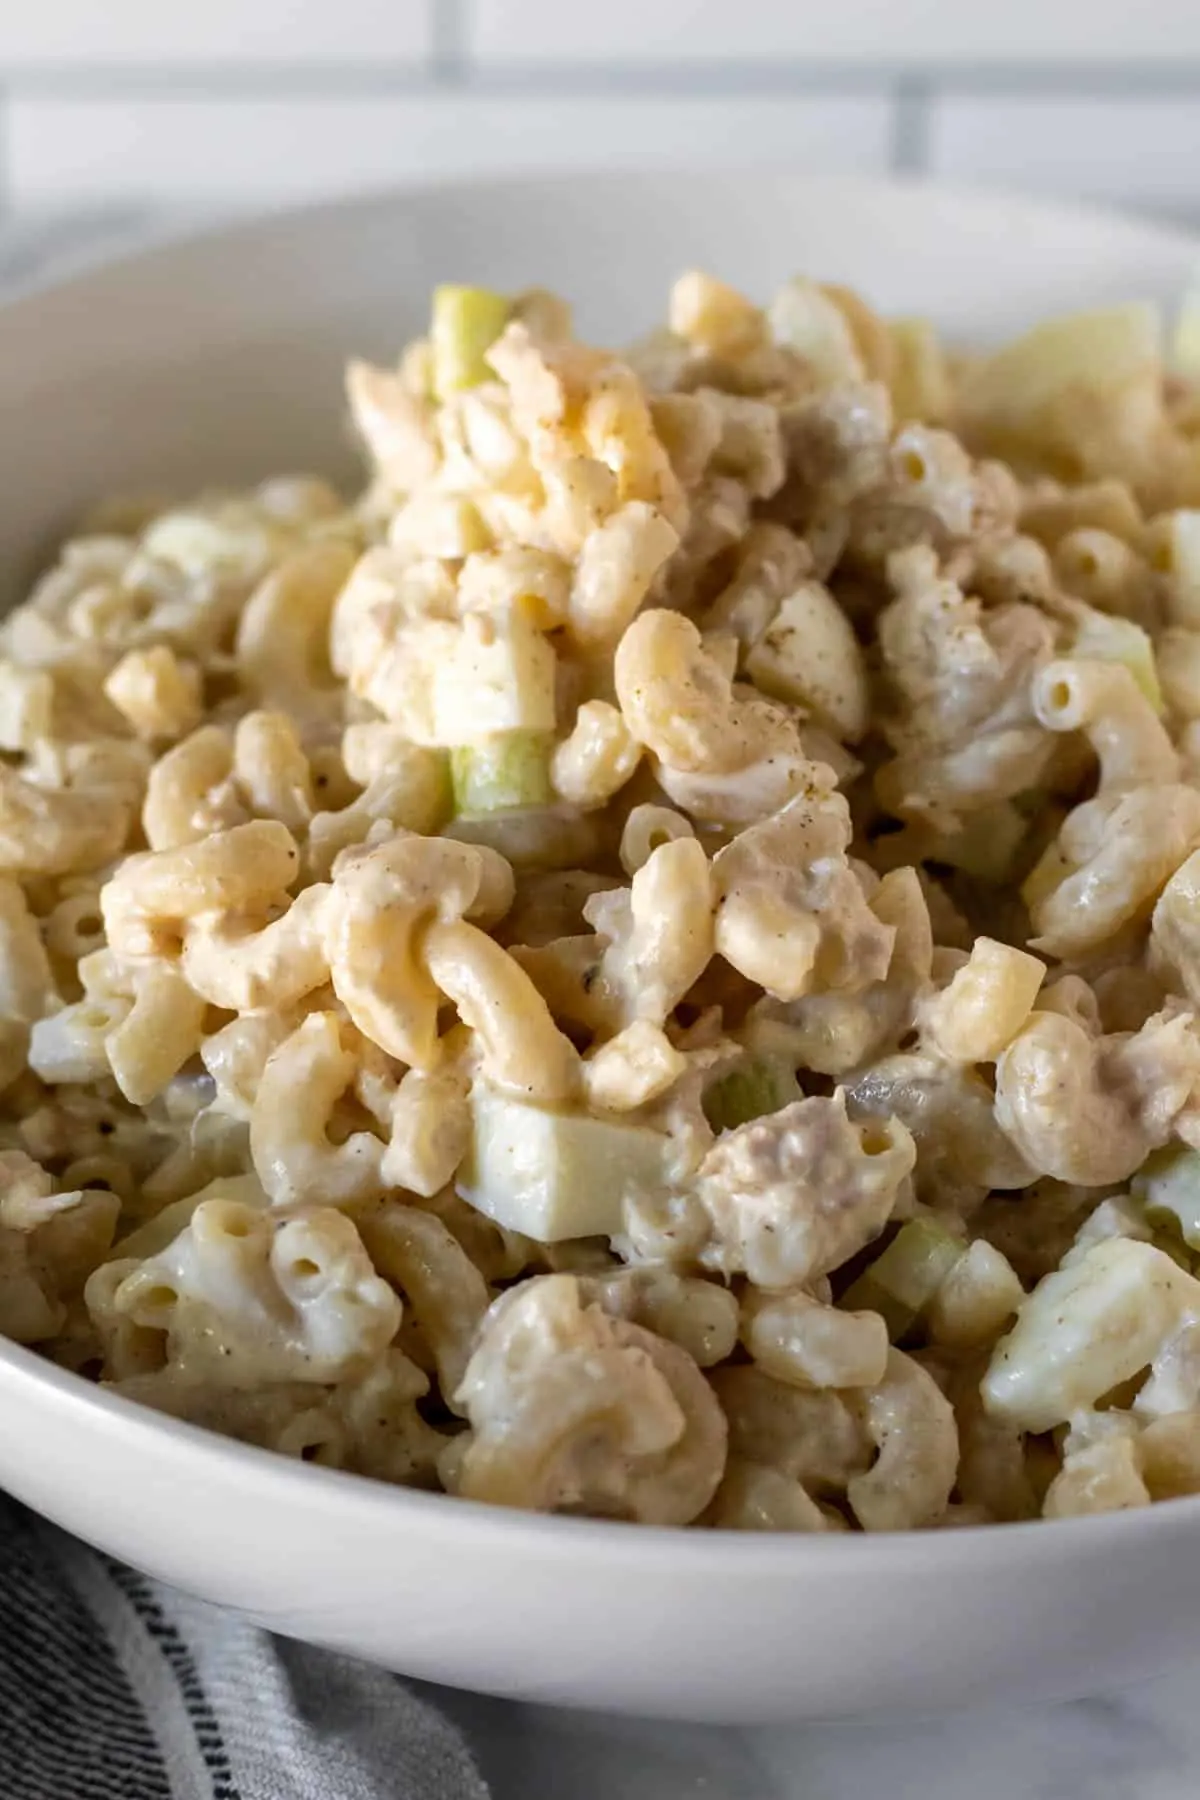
202,104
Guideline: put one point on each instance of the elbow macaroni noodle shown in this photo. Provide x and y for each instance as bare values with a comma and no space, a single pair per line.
648,965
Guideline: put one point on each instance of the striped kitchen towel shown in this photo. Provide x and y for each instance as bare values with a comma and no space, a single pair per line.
114,1688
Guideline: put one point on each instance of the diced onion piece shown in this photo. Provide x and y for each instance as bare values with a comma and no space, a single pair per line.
810,657
26,705
1168,1184
1086,1329
1069,389
976,1299
809,321
555,1175
1109,638
498,677
439,525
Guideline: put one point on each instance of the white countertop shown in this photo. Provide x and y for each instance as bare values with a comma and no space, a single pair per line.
1143,1744
1140,1745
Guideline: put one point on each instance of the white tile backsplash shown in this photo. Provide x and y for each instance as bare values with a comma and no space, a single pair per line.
234,102
1134,150
907,32
68,152
233,33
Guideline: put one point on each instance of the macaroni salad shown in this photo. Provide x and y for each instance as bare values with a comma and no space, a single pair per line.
649,964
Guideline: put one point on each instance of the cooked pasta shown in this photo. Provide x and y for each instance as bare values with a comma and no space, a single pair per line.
646,965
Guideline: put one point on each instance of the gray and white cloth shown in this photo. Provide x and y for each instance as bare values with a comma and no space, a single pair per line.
115,1688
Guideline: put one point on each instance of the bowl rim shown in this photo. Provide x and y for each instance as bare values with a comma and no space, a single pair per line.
144,242
131,1423
376,1502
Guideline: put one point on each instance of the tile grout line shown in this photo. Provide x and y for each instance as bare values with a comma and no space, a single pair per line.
910,127
448,37
791,74
219,82
450,64
7,197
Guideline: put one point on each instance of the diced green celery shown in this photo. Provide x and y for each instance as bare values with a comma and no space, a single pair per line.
437,795
865,1295
556,1175
917,1261
511,768
904,1278
758,1086
1112,639
1168,1183
466,323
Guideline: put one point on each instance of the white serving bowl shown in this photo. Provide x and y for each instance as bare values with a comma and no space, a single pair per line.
219,360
